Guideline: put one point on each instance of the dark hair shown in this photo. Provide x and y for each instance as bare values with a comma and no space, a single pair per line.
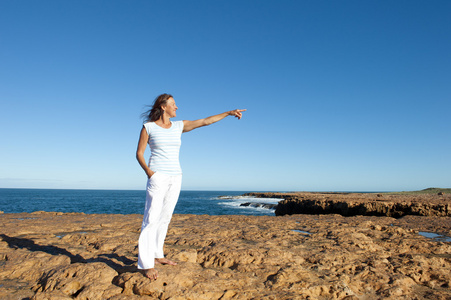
155,112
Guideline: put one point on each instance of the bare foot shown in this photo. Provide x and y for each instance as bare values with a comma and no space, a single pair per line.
150,273
165,261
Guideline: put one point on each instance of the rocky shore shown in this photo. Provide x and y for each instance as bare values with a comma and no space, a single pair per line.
365,204
77,256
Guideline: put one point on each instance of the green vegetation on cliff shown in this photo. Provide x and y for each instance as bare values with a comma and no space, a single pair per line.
425,191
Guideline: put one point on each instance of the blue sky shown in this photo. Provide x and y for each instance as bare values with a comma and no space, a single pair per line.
341,95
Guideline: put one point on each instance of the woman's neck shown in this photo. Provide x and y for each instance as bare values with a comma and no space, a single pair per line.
164,122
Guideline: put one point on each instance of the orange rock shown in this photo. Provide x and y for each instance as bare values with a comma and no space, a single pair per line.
77,256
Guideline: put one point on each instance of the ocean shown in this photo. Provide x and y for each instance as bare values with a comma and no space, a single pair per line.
129,202
132,202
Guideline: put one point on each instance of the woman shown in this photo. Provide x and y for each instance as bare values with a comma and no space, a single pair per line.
164,176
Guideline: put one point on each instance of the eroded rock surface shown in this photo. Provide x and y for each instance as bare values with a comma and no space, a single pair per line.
366,204
77,256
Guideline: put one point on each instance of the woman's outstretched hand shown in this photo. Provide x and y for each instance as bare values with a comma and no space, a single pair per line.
237,113
190,125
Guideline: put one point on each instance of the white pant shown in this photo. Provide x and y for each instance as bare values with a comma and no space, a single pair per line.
162,194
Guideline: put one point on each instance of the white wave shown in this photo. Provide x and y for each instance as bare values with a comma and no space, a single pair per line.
236,201
251,199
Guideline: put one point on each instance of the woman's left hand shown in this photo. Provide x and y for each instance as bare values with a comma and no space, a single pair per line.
237,113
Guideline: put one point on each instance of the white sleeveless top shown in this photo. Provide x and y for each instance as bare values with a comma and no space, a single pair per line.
165,147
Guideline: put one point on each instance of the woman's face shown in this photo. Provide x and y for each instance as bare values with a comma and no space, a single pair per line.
170,108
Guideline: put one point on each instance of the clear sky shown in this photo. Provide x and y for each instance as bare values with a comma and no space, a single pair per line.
340,95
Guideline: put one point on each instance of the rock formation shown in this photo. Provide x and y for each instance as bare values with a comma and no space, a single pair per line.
78,256
366,204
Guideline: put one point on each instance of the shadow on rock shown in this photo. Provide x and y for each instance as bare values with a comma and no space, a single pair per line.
21,243
110,260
